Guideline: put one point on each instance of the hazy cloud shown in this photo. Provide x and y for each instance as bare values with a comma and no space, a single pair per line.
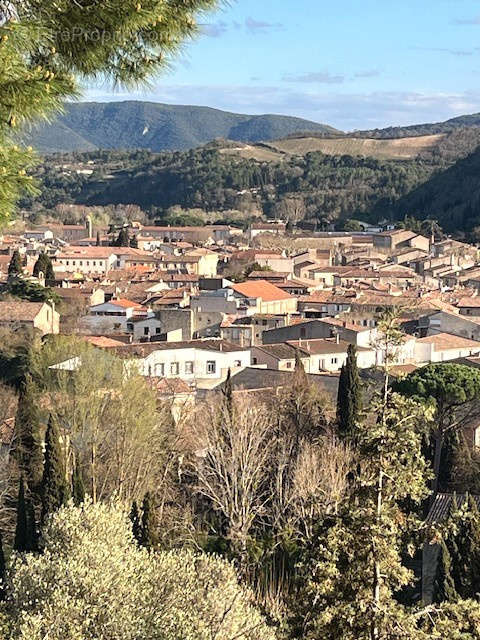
452,52
369,73
257,26
474,20
214,29
320,77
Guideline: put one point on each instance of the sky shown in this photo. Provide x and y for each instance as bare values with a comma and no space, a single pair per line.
352,64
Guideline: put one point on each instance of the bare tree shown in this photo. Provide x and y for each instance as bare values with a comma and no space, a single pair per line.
231,465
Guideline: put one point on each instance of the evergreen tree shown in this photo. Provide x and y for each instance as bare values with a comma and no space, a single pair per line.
353,572
464,547
136,522
15,267
78,486
98,241
28,448
54,490
444,585
148,537
134,242
349,398
228,394
22,534
3,573
123,238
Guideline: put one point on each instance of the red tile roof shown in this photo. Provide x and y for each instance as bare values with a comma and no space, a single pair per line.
262,289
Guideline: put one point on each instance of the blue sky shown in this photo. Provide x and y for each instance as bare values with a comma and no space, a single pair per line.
349,63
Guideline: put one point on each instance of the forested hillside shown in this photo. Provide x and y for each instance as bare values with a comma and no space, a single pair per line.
147,125
315,187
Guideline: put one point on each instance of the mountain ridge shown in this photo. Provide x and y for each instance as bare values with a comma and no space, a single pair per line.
133,124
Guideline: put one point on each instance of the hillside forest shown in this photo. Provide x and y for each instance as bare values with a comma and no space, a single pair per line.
225,182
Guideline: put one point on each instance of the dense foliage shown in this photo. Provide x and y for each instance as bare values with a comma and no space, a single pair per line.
93,582
314,188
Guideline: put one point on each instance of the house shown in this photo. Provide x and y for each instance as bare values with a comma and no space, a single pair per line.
207,261
256,229
469,306
192,361
361,336
87,260
391,241
264,297
38,316
434,322
112,316
176,325
442,347
317,356
248,331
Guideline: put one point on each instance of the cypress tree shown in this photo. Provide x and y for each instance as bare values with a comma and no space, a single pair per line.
40,264
123,238
136,523
3,573
349,398
22,535
98,243
78,486
28,450
54,490
228,394
148,537
15,267
134,242
444,586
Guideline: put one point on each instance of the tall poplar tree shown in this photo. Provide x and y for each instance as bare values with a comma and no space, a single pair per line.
54,487
349,396
28,446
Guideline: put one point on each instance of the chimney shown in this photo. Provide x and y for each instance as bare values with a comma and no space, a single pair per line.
337,338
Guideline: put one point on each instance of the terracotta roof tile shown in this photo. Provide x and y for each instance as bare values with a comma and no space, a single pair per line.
267,291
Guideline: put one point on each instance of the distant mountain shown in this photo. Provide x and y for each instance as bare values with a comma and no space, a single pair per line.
447,126
87,126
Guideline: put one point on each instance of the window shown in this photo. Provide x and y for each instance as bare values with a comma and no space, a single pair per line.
160,370
211,366
174,368
288,365
157,330
334,360
255,361
129,326
189,367
264,322
146,331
